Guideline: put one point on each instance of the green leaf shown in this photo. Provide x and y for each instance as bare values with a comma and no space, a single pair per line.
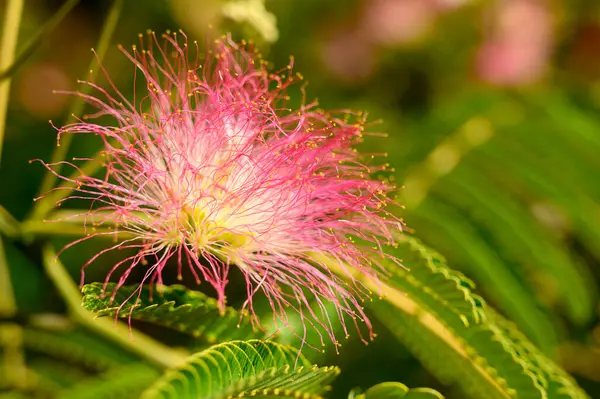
75,346
118,383
560,384
397,390
56,373
556,107
518,234
464,242
176,306
484,358
244,368
423,393
445,291
441,351
528,179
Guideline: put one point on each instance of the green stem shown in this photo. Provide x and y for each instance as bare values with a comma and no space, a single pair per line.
71,222
41,208
9,226
8,306
35,41
136,342
81,216
34,228
13,365
8,44
11,335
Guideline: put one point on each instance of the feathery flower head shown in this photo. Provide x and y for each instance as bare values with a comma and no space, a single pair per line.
210,169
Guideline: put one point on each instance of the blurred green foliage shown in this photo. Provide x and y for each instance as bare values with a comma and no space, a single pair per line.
501,176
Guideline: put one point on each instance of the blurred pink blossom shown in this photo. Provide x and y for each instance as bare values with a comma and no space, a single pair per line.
398,21
352,53
36,85
392,22
520,44
449,5
349,55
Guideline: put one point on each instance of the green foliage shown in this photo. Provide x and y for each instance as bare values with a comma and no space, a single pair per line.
75,363
427,279
13,395
397,390
177,307
123,382
56,375
516,213
509,194
244,368
36,294
487,357
507,289
519,236
75,346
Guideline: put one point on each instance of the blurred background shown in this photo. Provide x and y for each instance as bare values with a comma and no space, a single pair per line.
491,110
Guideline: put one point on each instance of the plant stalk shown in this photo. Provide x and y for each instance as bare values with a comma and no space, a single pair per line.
31,44
8,44
45,205
9,226
13,364
11,334
35,228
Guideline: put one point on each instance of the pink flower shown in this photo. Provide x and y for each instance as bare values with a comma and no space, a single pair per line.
211,169
520,44
398,21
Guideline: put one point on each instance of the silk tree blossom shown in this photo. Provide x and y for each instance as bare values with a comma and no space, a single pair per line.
210,169
520,45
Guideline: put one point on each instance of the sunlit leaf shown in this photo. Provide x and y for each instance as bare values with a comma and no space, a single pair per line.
244,368
176,307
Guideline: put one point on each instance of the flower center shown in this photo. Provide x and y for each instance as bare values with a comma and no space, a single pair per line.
207,234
